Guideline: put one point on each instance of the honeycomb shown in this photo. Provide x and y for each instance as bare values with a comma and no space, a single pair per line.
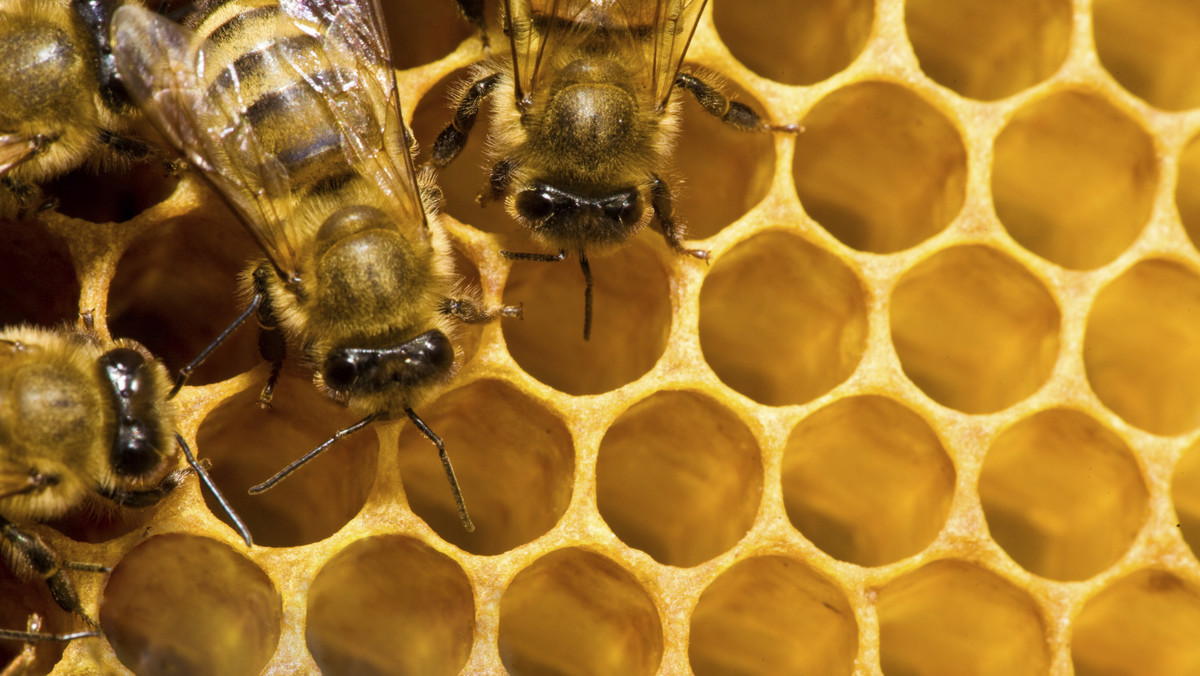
933,408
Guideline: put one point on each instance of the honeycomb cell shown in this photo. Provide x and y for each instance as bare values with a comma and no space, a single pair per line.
1151,49
1187,190
248,444
1185,493
973,329
22,598
867,480
772,615
1073,179
577,612
37,280
1062,495
390,605
879,168
176,289
949,618
1144,623
514,460
989,50
190,605
796,43
630,323
782,321
1142,347
114,195
422,32
679,477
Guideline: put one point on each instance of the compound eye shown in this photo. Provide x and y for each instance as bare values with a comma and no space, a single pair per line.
536,205
624,208
340,371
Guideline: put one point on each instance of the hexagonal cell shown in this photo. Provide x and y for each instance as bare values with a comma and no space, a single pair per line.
248,444
176,288
190,605
1142,347
974,329
989,50
1073,179
679,477
772,615
37,279
390,604
879,168
796,43
1144,623
422,32
21,599
867,480
949,618
1185,494
630,323
1052,518
782,321
1151,48
514,460
1187,190
574,611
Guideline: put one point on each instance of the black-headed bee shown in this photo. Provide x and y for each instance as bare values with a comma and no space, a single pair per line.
78,421
61,104
579,154
290,110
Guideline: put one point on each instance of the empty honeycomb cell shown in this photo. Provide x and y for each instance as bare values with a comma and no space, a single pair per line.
249,444
514,460
576,612
781,320
879,168
796,43
974,329
867,480
37,281
390,604
184,604
950,617
115,195
1142,347
22,598
772,615
679,477
1187,190
421,32
175,290
630,322
989,50
1062,495
1144,623
1073,179
1151,48
1185,493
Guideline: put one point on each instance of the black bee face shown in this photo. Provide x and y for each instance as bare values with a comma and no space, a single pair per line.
565,217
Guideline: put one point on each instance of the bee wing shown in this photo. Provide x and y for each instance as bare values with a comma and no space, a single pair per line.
652,36
15,149
14,479
361,94
160,63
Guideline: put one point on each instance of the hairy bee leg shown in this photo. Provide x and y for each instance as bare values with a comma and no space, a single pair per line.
537,257
463,516
453,138
29,556
147,497
499,180
468,311
186,371
472,10
127,147
587,295
200,471
732,112
297,464
660,196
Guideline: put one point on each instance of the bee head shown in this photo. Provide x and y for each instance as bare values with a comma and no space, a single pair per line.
566,218
423,360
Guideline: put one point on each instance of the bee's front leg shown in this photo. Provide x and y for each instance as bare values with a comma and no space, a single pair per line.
453,138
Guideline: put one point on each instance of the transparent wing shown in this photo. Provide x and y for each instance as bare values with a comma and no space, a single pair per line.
14,479
15,149
361,94
160,64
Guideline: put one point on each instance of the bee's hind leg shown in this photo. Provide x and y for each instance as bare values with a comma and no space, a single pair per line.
733,113
30,557
453,138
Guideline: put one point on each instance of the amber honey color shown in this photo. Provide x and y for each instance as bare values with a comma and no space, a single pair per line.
932,407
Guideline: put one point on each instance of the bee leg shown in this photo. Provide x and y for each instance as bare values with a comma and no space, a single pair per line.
472,10
733,113
453,138
33,634
273,348
454,489
469,311
30,557
498,182
127,147
186,371
660,196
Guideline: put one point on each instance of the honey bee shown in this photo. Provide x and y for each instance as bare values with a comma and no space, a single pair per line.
579,154
78,421
61,104
290,110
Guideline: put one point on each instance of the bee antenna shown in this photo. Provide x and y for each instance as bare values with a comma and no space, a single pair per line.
238,525
587,295
297,464
437,441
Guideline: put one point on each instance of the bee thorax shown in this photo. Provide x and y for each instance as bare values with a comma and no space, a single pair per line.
589,121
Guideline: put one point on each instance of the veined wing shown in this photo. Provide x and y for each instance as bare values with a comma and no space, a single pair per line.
15,149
